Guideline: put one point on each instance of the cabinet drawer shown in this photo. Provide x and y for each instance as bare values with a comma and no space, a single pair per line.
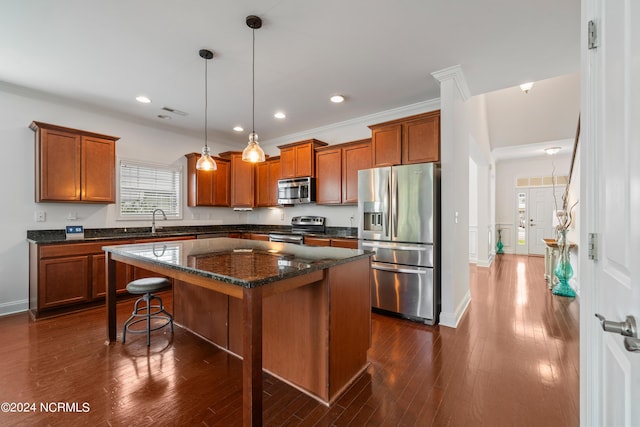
71,249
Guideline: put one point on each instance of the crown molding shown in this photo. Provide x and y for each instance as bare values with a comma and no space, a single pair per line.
371,119
454,72
532,150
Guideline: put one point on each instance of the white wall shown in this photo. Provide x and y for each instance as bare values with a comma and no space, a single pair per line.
138,141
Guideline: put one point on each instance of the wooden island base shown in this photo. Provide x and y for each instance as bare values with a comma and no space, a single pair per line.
314,337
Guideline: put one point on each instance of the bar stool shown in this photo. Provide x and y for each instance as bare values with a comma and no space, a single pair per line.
146,287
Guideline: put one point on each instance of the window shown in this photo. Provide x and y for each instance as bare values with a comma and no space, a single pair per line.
145,187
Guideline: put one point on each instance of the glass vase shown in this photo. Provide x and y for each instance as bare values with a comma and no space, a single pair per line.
563,270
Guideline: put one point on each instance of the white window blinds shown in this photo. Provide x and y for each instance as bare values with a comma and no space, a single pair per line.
144,188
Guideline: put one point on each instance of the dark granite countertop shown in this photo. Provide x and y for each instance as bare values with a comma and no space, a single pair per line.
44,237
246,263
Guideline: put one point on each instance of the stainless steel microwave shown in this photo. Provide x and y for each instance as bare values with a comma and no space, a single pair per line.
293,191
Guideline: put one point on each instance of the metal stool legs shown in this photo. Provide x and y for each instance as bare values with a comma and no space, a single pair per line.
145,314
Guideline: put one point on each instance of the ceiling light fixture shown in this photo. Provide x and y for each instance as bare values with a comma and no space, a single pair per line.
238,128
253,153
526,87
206,162
143,99
552,150
337,99
280,115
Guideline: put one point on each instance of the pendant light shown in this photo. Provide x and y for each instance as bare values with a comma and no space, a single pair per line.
253,153
206,162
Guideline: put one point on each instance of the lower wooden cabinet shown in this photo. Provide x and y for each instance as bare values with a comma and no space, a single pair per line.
336,242
69,276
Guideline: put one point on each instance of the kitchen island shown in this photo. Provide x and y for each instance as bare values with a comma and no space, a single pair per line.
301,313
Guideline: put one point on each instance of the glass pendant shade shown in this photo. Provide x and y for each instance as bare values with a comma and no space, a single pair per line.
206,162
253,152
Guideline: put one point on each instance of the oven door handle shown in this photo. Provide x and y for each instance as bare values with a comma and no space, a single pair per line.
398,268
394,246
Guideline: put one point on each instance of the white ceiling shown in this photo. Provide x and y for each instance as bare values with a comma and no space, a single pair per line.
378,54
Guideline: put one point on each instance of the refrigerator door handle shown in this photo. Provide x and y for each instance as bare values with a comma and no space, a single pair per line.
388,217
394,203
397,268
394,246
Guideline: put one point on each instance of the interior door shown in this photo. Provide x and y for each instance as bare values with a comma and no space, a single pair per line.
542,206
610,199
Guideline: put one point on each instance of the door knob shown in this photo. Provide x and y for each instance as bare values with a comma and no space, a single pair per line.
626,328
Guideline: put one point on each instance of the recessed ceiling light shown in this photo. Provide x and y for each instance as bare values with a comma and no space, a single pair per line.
337,99
552,150
238,129
279,115
143,99
526,87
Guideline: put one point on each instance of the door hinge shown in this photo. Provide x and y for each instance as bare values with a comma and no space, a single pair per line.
592,35
593,246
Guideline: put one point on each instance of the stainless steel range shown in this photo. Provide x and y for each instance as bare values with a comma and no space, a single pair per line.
300,225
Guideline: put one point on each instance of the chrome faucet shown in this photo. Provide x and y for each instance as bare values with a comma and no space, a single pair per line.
153,219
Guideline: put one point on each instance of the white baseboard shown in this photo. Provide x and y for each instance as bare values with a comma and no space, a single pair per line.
486,263
14,307
451,320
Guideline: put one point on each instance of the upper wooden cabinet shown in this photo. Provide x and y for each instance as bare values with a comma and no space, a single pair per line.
208,188
414,139
266,180
73,165
337,169
242,180
297,160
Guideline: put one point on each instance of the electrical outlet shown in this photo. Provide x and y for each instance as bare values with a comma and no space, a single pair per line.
41,216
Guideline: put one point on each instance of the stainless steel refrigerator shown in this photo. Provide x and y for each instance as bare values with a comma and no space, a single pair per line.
398,209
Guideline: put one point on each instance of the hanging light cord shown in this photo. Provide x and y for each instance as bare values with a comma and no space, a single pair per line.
206,97
253,82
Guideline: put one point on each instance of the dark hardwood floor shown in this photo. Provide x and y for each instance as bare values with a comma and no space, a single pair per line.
513,361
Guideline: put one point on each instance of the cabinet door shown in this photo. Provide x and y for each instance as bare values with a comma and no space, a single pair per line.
241,183
98,278
263,188
59,171
317,241
421,140
304,160
288,162
345,243
221,184
354,158
199,183
63,281
386,143
274,176
329,176
98,170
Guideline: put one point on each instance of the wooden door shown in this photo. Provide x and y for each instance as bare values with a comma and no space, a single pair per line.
98,279
421,140
98,167
262,181
329,177
288,162
304,160
221,186
386,144
59,154
274,176
242,182
610,154
354,158
63,281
